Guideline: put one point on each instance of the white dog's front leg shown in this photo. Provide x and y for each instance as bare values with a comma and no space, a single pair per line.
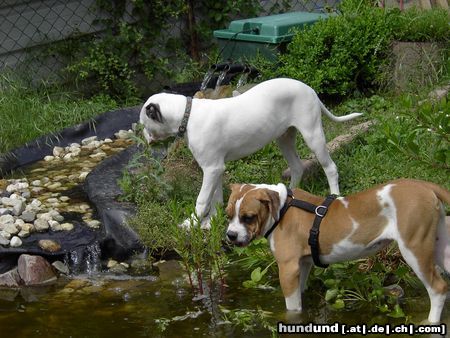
212,180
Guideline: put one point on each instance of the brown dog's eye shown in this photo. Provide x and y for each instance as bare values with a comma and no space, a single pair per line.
247,219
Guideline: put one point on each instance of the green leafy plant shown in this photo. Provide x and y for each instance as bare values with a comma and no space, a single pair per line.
422,132
248,320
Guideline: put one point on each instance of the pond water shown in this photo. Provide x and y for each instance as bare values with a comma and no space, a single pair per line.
105,305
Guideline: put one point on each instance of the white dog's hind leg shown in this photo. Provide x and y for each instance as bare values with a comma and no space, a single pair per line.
286,142
315,139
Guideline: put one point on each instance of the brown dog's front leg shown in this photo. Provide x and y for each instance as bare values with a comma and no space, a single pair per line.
289,280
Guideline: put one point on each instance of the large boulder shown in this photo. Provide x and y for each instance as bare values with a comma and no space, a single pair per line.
35,270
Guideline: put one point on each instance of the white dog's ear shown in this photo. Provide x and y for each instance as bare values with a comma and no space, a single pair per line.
152,111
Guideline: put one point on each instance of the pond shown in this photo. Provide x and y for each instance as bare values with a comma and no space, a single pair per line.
106,305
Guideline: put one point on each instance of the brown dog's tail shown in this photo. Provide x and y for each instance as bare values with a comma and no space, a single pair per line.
441,193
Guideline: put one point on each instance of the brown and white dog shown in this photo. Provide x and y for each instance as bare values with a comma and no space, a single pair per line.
410,212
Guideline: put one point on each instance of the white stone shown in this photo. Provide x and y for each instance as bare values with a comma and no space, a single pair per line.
19,222
6,219
98,155
107,140
67,226
111,263
36,183
68,157
58,151
4,241
49,158
5,211
23,234
64,198
41,225
54,225
15,242
36,203
11,229
83,175
5,234
88,140
28,216
54,186
93,224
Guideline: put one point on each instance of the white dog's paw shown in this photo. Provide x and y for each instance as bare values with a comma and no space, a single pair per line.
193,221
206,224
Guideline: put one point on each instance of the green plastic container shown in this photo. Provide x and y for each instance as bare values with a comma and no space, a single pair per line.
267,35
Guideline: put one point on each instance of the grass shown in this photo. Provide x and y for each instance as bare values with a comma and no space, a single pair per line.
27,113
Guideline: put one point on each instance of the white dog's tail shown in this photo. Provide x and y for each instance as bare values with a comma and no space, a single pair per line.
337,118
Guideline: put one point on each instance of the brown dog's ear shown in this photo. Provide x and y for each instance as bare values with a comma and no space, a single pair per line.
235,187
272,200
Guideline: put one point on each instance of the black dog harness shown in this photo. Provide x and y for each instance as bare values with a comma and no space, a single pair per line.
319,210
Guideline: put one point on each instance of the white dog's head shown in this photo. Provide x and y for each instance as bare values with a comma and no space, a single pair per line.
250,211
161,116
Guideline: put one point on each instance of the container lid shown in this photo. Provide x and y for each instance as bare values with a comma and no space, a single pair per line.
268,29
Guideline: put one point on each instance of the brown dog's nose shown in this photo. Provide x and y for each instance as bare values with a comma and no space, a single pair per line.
232,235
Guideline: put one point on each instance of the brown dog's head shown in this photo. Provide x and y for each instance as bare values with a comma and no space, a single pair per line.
251,210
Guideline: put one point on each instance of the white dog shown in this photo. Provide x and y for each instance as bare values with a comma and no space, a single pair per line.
231,128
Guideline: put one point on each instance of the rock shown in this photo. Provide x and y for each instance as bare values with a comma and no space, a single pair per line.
88,140
18,206
15,242
6,219
41,225
64,198
28,216
52,200
10,279
5,234
35,270
54,225
111,263
23,234
36,183
4,241
54,186
67,226
36,203
11,229
119,268
49,245
61,267
58,151
5,211
83,175
49,158
123,134
93,224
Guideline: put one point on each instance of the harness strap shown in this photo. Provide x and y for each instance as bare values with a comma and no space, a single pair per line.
184,121
320,212
313,239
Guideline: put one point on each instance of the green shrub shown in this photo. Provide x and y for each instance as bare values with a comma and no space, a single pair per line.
341,54
348,52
